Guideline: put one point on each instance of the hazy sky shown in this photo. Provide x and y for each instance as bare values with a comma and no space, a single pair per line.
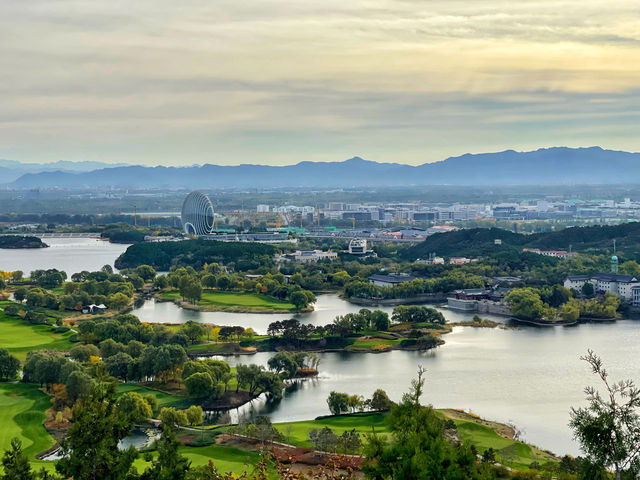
277,82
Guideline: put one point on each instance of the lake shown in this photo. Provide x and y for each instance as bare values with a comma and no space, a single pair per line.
70,255
529,376
326,308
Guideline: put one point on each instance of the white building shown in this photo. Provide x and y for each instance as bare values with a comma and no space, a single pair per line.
620,285
308,256
263,208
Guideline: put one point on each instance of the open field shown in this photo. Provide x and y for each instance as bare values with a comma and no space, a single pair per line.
20,337
481,433
235,301
226,459
22,408
165,399
297,433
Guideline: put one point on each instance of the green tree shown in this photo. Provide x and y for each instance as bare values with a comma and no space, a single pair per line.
299,299
608,428
118,301
199,384
588,290
146,272
173,417
90,449
134,405
169,464
380,400
9,365
338,403
78,385
525,303
194,415
379,320
15,463
193,331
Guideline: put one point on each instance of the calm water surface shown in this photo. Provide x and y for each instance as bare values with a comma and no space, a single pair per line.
325,310
71,255
528,376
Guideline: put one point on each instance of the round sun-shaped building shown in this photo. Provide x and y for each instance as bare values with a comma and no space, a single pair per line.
197,214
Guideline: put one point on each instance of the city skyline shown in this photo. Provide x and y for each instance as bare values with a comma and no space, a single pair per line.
273,83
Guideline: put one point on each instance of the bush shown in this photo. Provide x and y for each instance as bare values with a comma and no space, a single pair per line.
61,329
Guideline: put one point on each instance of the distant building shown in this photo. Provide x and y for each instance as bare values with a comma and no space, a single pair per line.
263,208
308,256
461,260
551,253
358,246
620,285
391,279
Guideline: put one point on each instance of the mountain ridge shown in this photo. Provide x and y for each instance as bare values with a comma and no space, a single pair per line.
552,165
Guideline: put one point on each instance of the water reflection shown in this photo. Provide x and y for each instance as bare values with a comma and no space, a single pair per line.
326,308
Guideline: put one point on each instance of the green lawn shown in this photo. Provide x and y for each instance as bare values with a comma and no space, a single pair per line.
165,399
22,408
226,459
297,433
20,337
508,452
250,301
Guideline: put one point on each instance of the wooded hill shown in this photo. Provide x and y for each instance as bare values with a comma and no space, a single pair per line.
195,253
476,242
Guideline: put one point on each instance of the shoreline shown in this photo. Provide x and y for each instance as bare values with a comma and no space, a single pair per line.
228,308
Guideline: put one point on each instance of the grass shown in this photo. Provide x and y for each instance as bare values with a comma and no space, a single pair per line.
229,300
372,344
509,452
297,433
512,453
165,399
22,414
226,459
20,337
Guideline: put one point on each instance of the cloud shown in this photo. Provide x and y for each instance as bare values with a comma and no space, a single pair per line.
265,80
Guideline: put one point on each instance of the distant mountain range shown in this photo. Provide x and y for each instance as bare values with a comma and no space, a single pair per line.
10,170
558,165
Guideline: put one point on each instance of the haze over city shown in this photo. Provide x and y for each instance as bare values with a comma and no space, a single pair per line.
270,82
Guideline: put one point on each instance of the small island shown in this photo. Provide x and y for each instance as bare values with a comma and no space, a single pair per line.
21,241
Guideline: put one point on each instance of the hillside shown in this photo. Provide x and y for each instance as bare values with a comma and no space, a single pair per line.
478,241
559,165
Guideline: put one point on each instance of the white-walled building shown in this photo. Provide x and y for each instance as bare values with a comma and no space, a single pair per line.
620,285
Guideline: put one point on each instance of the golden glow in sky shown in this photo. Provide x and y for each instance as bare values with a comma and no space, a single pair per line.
263,81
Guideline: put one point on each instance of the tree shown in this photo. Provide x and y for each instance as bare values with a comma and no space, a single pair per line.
169,465
608,429
82,353
570,311
338,403
134,405
146,272
194,415
588,290
78,385
193,331
525,303
90,449
173,417
15,463
16,275
299,299
199,384
380,400
349,442
9,365
118,365
379,320
324,439
118,301
417,447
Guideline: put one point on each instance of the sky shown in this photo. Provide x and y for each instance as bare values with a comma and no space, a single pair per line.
278,82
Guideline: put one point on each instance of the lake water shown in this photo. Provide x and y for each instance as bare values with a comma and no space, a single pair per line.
528,376
70,255
325,310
